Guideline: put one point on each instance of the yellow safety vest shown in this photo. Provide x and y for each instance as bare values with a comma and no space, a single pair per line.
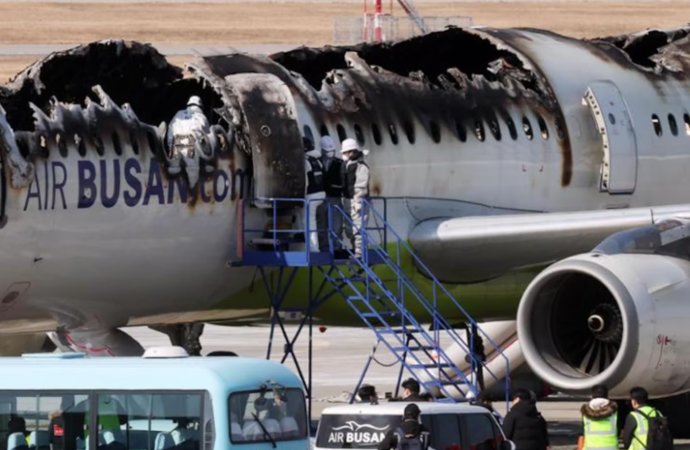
639,441
601,434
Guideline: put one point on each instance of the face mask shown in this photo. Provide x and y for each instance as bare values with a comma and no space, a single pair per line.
328,153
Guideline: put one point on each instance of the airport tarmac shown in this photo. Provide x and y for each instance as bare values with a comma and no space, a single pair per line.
339,355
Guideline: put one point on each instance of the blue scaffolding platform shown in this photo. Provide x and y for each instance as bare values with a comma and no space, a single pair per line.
377,289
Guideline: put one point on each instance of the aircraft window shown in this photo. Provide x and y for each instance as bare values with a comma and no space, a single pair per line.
494,127
62,145
479,130
99,145
377,133
511,127
612,119
308,134
435,131
686,119
134,141
657,125
342,135
409,131
673,125
116,144
152,142
542,127
359,135
560,131
81,146
460,128
324,130
527,128
393,132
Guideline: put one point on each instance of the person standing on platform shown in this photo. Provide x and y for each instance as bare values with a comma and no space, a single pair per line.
334,179
315,193
356,189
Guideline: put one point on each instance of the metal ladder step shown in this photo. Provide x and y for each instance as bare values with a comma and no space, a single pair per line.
414,348
430,366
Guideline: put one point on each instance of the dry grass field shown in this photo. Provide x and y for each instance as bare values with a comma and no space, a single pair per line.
298,23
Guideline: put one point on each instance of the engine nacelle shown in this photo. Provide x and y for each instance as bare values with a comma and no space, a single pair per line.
620,320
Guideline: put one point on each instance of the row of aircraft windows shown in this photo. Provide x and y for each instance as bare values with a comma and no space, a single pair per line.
672,124
61,142
477,127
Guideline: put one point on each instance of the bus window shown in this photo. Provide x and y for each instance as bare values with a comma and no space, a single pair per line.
149,421
40,421
282,413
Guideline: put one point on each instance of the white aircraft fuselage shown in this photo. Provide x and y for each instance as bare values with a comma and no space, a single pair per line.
95,238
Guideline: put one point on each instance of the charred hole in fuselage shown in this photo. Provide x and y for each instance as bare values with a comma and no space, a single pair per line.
641,48
128,73
431,54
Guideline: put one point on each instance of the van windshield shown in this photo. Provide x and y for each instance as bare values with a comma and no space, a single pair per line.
280,413
354,430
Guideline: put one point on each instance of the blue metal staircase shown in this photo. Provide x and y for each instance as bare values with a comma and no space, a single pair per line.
383,295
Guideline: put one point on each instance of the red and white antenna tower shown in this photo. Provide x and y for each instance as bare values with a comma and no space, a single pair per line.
377,16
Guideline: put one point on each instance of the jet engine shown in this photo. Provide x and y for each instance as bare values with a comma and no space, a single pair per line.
618,320
619,316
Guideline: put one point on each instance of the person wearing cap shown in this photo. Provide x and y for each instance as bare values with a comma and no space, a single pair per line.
356,188
411,391
333,177
185,133
410,431
186,128
367,394
316,194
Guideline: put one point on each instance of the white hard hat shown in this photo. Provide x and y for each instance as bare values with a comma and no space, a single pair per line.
349,145
327,144
194,101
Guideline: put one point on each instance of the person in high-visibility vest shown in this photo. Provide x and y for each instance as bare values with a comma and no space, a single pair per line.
600,421
637,425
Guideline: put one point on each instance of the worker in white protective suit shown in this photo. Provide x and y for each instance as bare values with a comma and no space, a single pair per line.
316,193
356,189
187,131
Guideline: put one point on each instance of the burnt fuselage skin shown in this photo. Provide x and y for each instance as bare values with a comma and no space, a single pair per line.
475,122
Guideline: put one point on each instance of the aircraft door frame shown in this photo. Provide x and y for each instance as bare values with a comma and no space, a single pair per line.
3,193
619,142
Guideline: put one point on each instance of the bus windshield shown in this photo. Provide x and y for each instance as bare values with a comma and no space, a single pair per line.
280,413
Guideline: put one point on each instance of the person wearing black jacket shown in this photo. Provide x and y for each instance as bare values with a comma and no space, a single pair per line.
409,427
524,425
411,391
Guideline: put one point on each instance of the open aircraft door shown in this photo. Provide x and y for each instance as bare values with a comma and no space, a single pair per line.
619,166
273,133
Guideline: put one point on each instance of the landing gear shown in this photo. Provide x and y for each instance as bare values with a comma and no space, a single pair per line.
107,342
186,335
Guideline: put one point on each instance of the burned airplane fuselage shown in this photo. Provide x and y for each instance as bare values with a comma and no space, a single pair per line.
105,222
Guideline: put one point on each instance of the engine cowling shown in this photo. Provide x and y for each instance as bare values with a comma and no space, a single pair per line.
620,320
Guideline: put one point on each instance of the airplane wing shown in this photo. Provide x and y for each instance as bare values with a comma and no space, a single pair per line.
471,249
